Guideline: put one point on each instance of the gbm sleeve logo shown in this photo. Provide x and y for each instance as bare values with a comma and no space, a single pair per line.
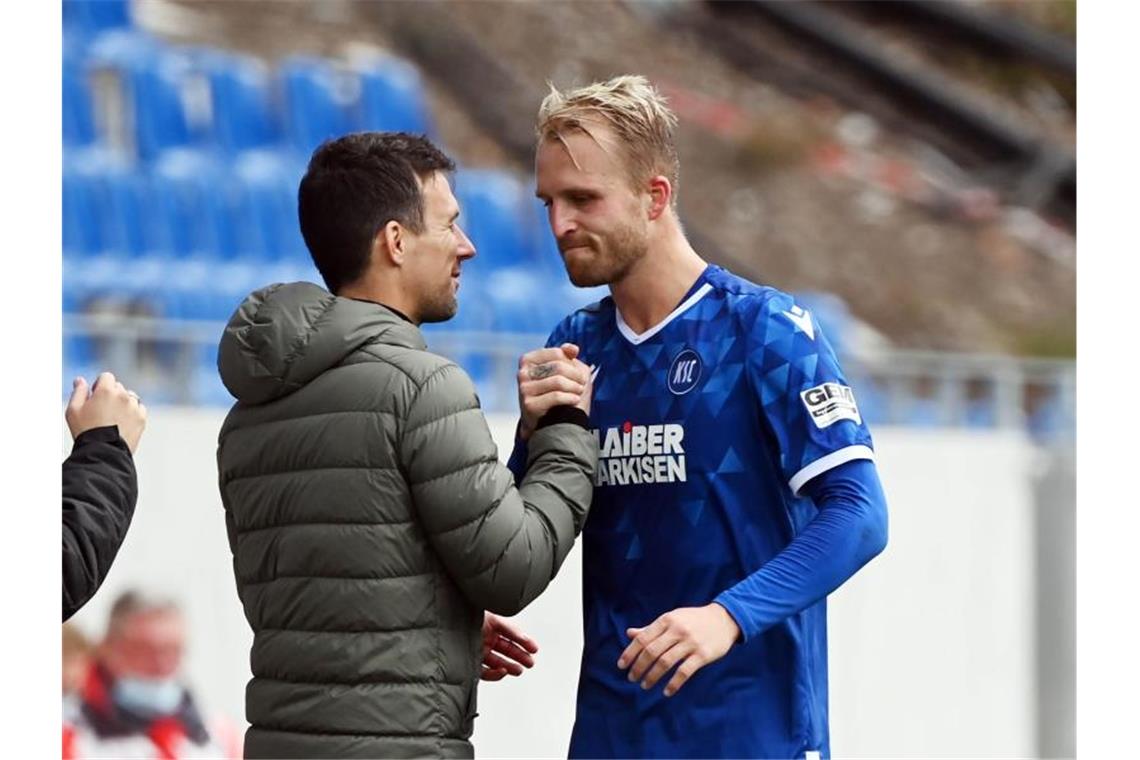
830,402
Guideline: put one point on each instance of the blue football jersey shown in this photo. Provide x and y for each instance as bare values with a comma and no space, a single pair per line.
708,425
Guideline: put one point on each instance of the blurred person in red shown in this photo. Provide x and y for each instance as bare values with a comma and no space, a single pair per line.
134,702
76,663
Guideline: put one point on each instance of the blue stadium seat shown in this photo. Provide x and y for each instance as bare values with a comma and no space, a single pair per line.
123,48
103,205
129,229
241,100
493,214
161,117
521,301
81,232
213,295
155,85
530,301
194,203
92,16
320,101
267,207
194,206
392,97
78,114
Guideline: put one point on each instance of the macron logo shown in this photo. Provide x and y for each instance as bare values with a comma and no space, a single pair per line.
801,318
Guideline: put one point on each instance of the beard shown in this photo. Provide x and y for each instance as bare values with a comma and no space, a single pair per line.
441,306
604,260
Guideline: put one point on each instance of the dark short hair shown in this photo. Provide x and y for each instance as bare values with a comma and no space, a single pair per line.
355,185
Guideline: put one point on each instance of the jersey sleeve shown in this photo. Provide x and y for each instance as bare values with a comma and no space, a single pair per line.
810,408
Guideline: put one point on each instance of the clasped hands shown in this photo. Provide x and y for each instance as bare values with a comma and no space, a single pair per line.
550,377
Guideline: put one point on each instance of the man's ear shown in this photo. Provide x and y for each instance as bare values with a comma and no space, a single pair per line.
660,195
390,243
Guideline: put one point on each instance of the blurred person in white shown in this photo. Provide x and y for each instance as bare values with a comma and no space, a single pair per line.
133,702
100,485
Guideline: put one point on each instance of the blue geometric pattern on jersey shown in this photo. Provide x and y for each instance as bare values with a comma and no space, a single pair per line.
692,497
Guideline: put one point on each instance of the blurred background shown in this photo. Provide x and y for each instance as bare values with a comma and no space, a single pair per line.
906,168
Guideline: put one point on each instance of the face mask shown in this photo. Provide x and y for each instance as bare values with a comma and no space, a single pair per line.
71,711
147,696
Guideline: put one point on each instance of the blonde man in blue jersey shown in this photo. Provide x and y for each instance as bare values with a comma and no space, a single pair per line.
736,485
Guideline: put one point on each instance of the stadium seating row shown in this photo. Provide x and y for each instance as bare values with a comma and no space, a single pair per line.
126,89
181,167
189,204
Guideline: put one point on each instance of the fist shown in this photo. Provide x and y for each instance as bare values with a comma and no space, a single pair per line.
110,403
551,377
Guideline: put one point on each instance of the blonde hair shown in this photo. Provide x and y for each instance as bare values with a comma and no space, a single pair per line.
636,112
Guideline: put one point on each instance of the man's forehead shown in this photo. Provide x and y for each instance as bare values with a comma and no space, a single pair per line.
437,192
436,182
587,155
150,619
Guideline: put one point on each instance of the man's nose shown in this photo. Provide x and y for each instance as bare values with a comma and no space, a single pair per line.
562,222
466,247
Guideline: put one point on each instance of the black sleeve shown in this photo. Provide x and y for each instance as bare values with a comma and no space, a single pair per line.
100,489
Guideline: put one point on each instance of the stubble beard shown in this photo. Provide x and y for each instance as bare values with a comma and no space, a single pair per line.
612,259
441,307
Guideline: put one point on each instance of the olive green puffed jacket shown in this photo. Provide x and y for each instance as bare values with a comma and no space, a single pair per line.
371,523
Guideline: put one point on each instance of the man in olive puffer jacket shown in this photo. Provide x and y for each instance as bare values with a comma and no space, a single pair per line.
370,520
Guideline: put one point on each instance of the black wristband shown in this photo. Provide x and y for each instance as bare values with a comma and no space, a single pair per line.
564,414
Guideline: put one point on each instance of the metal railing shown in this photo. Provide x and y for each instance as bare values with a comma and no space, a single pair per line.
172,361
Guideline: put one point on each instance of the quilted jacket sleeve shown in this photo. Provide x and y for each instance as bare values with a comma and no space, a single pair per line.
501,544
100,488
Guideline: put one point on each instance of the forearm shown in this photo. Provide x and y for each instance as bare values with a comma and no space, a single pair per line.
554,498
850,529
501,544
100,489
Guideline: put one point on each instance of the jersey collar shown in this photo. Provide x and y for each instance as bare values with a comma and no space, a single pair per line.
701,288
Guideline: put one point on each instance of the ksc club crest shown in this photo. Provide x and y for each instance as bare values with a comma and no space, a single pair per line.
685,372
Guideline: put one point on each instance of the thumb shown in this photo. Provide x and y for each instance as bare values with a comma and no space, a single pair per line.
78,394
632,632
570,350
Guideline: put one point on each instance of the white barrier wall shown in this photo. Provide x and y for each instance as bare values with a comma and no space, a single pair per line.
931,645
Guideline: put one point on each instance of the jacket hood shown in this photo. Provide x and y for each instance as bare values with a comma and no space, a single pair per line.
284,335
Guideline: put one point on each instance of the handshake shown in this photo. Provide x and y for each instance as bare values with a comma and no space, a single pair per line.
551,377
